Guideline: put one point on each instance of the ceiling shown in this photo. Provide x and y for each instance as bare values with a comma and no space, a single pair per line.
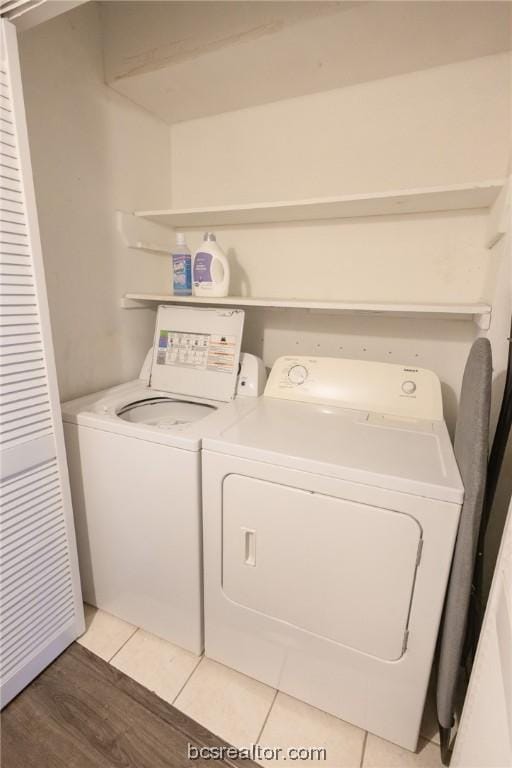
185,60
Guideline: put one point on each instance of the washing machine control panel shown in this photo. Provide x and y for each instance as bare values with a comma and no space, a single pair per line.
381,388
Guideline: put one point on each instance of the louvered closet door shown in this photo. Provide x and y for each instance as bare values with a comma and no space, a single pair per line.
41,606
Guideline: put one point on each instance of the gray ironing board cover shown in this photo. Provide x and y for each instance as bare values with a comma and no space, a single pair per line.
471,451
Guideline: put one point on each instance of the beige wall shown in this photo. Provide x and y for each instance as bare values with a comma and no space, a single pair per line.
442,126
415,258
93,151
445,125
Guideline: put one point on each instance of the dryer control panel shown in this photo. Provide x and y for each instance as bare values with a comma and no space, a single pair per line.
384,388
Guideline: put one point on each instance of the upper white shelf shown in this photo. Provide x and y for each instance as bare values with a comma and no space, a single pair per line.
480,313
429,199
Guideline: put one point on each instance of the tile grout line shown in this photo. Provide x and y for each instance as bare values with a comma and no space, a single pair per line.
123,645
363,751
260,734
201,658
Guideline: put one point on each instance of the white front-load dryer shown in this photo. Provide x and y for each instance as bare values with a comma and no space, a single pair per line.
330,513
135,470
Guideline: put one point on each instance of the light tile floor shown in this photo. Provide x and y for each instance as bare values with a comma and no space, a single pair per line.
156,664
291,722
104,634
382,754
243,711
227,703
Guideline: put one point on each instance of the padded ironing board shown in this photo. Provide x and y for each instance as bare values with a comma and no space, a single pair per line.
471,451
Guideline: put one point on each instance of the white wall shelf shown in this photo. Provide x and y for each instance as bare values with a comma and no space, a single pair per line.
425,200
478,312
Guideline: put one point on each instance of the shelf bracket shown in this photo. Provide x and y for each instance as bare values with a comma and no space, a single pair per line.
499,216
483,320
143,235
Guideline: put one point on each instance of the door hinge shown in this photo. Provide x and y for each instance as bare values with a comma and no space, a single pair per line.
420,550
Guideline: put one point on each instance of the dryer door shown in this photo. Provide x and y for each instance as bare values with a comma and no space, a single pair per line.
335,568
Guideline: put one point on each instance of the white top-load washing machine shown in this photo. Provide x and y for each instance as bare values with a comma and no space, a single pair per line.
135,469
330,513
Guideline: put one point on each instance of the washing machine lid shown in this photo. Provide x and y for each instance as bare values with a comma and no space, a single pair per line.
196,351
402,454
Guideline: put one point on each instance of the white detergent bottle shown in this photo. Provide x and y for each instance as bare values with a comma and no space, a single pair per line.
211,269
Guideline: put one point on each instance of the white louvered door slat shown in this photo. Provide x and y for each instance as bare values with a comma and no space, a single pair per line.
41,606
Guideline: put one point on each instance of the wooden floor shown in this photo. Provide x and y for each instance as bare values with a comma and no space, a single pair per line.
83,713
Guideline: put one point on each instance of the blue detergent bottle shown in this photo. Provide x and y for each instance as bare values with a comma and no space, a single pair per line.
181,267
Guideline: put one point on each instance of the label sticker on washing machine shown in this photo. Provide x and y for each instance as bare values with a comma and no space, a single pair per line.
203,351
221,353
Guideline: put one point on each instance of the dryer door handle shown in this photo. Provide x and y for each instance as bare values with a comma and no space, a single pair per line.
249,535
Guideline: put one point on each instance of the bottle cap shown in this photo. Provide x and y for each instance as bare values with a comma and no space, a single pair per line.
180,238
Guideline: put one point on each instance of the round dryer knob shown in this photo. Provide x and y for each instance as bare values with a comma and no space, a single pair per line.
298,374
409,387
